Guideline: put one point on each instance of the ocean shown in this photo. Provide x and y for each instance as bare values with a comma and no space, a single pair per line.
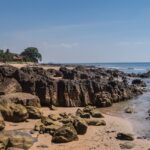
126,67
141,104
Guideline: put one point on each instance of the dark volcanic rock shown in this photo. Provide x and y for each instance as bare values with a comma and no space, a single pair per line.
139,82
9,85
80,86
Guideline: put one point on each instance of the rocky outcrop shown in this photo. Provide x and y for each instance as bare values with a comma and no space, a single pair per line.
80,86
139,82
9,85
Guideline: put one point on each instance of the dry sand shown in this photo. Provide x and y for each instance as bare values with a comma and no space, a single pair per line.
96,138
20,65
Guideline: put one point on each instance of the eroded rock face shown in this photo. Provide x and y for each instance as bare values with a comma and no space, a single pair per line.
9,85
139,82
80,86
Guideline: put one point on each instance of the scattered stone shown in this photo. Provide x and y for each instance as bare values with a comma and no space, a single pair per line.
85,115
42,146
88,109
129,110
2,123
49,129
65,134
79,112
125,136
52,107
96,114
94,122
80,125
48,121
34,112
38,126
127,145
54,117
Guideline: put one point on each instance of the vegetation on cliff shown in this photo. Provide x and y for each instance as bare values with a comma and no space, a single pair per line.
30,54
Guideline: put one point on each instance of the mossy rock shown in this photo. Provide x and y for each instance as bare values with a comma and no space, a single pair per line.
13,112
65,134
34,112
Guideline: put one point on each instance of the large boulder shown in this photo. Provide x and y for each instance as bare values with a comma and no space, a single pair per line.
7,71
3,141
9,85
16,139
2,123
65,134
13,112
24,99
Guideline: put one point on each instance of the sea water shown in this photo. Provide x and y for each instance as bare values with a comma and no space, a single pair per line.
141,104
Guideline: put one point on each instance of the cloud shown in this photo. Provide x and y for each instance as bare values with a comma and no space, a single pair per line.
66,45
69,45
130,43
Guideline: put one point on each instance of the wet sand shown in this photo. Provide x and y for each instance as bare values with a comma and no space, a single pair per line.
140,105
96,138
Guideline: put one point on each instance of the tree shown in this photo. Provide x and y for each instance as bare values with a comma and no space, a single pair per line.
1,55
31,54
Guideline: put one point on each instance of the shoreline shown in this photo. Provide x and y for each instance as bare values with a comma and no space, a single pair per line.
96,138
71,88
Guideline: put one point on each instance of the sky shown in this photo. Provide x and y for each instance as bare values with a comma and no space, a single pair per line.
78,31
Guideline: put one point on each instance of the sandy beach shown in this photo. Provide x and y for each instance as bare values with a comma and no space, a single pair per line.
96,138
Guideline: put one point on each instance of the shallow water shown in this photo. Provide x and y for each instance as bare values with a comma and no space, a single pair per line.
141,105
